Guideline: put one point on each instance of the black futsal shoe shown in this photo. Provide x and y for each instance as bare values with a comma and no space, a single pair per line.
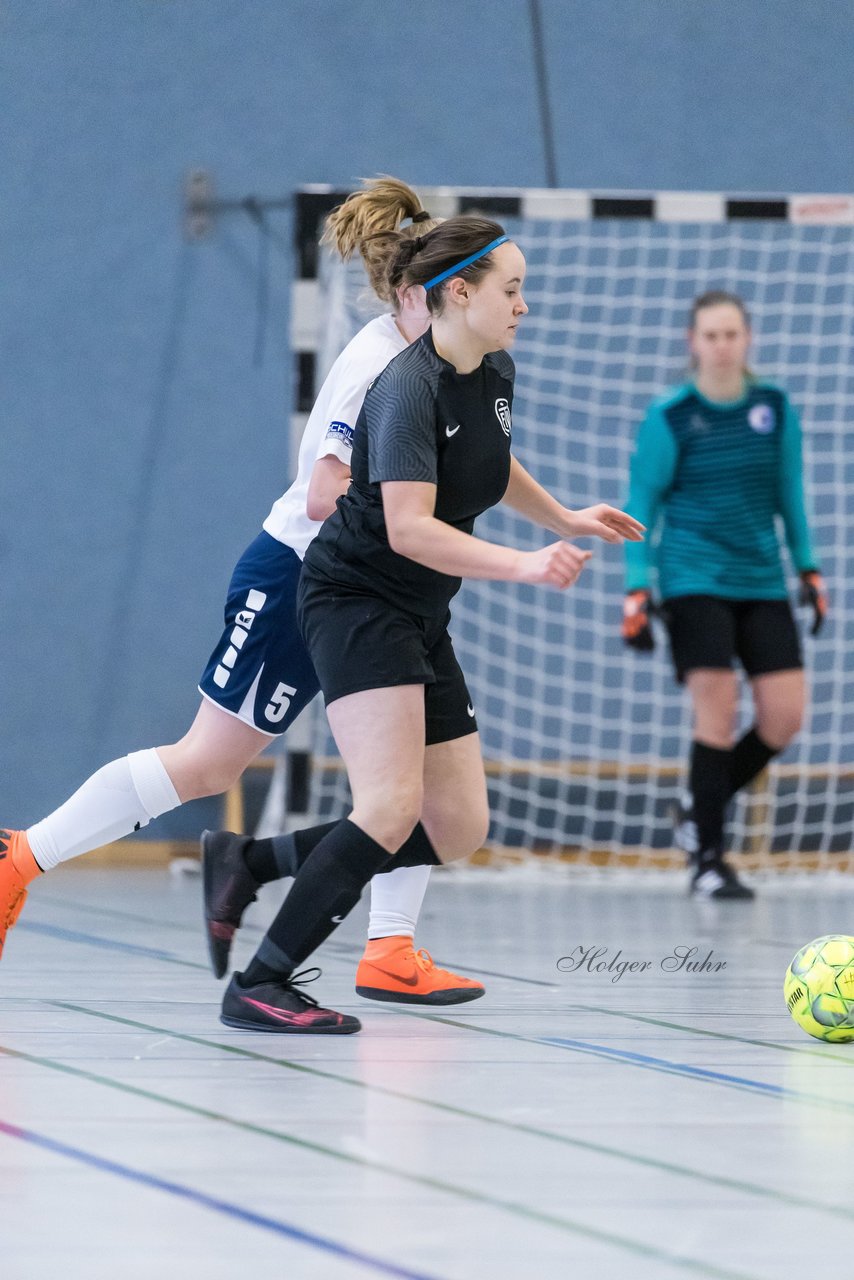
715,879
282,1008
229,887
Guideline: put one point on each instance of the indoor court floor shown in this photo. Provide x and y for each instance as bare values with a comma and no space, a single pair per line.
573,1122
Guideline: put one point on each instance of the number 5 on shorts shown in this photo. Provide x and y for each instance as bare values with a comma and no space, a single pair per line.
279,702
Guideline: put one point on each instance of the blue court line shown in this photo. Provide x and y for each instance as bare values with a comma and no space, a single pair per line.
678,1068
211,1202
108,944
663,1065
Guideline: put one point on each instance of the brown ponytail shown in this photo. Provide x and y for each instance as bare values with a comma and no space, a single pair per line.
451,242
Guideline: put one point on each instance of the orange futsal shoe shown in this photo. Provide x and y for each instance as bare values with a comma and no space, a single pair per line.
17,868
391,969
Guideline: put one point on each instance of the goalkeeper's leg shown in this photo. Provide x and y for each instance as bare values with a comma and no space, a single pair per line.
769,648
714,695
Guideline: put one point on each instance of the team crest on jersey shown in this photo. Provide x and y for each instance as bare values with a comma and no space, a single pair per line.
502,413
761,419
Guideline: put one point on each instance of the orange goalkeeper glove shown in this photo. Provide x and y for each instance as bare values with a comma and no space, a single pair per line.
813,593
636,631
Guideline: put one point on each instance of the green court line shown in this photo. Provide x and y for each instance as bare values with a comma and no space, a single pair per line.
611,1239
826,1055
791,1095
580,1144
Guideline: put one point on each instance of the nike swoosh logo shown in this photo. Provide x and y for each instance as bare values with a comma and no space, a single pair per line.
337,919
470,710
407,982
449,432
298,1019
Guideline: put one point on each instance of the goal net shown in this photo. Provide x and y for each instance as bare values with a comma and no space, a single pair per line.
586,741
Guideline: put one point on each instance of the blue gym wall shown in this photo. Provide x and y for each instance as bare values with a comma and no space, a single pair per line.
146,380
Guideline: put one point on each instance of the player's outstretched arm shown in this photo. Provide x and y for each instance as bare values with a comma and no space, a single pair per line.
413,531
525,495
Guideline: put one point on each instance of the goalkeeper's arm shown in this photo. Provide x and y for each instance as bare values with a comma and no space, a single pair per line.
652,470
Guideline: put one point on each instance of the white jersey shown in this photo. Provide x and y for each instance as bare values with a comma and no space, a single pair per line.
329,430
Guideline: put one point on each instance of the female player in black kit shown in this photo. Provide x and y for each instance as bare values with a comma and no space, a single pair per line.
431,452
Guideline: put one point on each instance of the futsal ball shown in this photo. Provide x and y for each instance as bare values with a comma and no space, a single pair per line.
819,988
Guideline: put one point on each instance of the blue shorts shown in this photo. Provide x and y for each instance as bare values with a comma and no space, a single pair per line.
260,671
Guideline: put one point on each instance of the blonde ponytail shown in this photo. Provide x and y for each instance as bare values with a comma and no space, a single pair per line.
362,223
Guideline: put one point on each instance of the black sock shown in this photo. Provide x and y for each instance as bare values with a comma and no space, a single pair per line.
416,852
281,856
284,855
327,887
709,782
749,757
290,851
260,861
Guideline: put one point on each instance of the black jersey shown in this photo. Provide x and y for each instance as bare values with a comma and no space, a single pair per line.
421,421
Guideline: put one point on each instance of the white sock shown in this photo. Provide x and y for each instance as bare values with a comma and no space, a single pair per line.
122,797
396,898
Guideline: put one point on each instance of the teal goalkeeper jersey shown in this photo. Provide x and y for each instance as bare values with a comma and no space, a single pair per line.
708,480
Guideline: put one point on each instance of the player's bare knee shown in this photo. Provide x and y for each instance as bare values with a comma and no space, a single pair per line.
459,836
781,727
389,820
196,775
715,731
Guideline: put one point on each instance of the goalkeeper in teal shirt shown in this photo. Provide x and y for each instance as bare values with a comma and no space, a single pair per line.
717,461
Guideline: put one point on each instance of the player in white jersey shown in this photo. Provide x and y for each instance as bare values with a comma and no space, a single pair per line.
260,676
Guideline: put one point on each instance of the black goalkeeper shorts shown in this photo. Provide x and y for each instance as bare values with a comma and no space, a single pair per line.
711,632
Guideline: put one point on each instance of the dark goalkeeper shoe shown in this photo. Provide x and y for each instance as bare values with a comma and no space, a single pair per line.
228,888
718,880
282,1008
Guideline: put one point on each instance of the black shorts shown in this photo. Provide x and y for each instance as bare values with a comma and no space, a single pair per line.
707,631
360,642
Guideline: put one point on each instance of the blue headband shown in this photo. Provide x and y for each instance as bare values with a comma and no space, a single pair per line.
466,262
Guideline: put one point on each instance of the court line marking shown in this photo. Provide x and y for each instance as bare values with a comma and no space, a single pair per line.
664,1065
332,945
108,944
582,1144
612,1240
200,1198
811,1051
758,1088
